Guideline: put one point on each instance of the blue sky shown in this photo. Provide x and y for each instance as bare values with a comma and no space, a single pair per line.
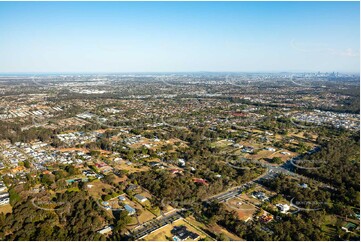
179,36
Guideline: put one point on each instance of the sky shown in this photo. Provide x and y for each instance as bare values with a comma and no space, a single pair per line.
179,36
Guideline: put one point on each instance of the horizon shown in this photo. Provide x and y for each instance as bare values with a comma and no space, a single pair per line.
179,37
175,72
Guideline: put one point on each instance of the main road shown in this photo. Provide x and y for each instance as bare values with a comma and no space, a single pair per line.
271,172
152,225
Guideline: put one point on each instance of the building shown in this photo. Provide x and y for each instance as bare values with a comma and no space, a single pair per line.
4,198
131,187
248,149
129,209
140,198
266,218
200,181
270,149
349,227
181,162
283,207
175,171
5,194
304,185
181,233
154,164
260,195
2,187
105,230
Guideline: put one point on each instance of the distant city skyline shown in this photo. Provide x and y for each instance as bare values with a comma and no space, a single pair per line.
126,37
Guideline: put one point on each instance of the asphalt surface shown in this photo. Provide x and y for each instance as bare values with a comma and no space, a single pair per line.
272,171
154,224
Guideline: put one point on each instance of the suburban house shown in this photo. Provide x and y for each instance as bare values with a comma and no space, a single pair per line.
200,181
270,149
349,227
181,162
283,207
131,187
260,195
105,230
285,153
140,198
175,171
303,185
129,209
4,198
181,233
266,218
248,149
2,187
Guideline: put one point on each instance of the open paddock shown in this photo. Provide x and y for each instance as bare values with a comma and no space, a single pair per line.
244,209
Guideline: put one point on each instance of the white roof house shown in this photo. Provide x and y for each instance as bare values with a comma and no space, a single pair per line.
105,230
140,198
283,207
129,209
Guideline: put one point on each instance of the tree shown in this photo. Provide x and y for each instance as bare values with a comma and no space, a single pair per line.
47,179
260,212
72,170
276,160
123,220
27,164
109,178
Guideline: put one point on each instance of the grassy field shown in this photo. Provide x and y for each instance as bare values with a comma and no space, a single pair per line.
131,168
145,216
96,190
216,229
220,230
160,234
5,209
244,209
221,144
329,226
73,149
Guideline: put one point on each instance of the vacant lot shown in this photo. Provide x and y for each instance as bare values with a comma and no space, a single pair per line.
244,209
131,168
145,216
220,230
216,229
96,190
221,143
73,149
5,209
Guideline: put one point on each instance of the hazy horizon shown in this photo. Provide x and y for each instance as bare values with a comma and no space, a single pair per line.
174,72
